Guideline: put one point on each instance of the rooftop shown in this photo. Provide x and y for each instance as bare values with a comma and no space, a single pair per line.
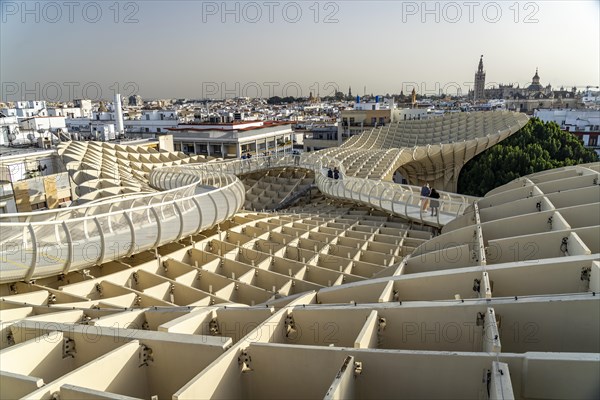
233,126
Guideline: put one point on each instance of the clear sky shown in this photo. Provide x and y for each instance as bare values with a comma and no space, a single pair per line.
196,49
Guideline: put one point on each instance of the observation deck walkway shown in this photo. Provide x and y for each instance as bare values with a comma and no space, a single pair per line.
192,198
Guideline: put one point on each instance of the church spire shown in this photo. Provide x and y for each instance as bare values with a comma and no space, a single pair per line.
479,87
536,77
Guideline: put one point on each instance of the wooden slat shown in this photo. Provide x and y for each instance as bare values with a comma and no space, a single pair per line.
21,190
51,192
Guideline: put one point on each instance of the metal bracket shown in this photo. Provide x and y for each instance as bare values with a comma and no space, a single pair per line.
480,319
290,325
145,355
564,245
213,327
585,273
68,348
244,361
358,366
477,285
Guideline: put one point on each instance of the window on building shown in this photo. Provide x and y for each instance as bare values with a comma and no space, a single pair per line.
593,141
39,206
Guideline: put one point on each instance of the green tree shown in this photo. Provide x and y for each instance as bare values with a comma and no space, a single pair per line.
538,146
280,100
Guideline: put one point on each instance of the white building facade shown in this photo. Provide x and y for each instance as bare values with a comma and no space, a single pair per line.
583,123
233,139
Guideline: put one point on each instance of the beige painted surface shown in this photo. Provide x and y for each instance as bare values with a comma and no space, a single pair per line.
283,305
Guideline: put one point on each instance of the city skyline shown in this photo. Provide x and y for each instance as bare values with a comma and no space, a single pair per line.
190,49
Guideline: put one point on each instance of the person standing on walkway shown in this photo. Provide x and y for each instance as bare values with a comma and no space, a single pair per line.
435,203
425,192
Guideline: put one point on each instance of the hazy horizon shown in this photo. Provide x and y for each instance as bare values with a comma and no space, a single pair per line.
194,49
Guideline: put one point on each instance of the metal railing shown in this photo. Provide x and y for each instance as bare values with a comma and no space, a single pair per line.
193,197
400,200
53,242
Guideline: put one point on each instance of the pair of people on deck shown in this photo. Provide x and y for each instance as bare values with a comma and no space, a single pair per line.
430,193
335,174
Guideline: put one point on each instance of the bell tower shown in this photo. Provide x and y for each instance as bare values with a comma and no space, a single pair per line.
478,92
